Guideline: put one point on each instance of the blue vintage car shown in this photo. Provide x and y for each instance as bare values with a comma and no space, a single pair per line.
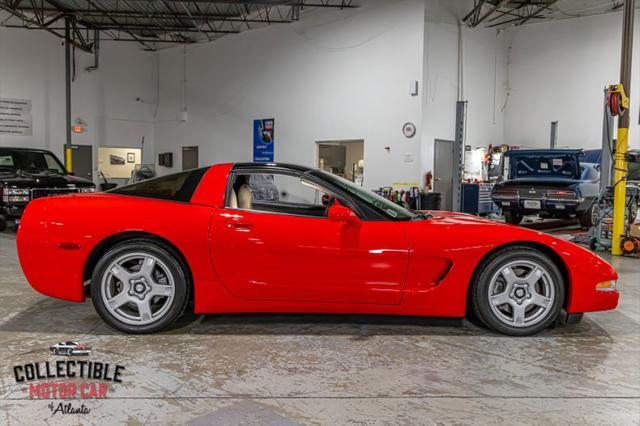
552,183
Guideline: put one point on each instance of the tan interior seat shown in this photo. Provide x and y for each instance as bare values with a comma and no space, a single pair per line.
244,197
233,202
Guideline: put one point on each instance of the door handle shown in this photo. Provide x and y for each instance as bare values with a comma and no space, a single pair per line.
236,224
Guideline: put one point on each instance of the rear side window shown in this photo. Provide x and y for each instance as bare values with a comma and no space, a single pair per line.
175,187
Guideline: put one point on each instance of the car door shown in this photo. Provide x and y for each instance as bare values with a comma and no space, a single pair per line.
283,247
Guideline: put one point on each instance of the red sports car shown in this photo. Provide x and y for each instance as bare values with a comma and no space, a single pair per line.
283,238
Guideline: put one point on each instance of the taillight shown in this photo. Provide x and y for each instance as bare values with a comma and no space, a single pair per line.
506,191
561,194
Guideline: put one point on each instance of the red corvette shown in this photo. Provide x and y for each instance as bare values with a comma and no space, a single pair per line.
282,238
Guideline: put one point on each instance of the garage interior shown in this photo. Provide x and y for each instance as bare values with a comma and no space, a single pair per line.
430,103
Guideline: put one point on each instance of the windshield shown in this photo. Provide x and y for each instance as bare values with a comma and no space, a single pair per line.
389,208
31,161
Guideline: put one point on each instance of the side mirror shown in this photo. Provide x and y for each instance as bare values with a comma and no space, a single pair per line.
339,213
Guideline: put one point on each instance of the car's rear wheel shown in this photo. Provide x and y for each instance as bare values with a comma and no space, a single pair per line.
139,287
518,291
513,217
3,223
590,217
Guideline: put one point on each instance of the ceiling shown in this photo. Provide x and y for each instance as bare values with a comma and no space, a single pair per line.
499,13
153,22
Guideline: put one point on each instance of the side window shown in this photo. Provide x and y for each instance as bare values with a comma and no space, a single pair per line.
279,193
174,187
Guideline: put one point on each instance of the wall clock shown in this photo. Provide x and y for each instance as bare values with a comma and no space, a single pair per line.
409,130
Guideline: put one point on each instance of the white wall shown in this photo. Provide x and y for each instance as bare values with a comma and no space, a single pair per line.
484,79
32,67
558,71
335,75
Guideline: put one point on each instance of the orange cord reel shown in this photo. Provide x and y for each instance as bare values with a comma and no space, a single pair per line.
630,245
617,100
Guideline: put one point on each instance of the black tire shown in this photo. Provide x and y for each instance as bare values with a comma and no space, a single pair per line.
176,269
587,217
633,212
512,217
480,302
3,224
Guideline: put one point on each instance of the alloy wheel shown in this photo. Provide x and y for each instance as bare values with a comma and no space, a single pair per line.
137,288
521,293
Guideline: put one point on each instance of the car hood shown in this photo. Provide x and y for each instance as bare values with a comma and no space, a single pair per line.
24,179
454,218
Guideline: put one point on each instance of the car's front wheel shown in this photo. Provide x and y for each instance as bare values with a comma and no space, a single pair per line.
139,286
518,291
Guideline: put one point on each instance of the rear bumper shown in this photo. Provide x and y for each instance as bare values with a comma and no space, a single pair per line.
61,279
550,206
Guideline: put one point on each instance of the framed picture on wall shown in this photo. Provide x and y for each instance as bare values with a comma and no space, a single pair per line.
131,157
116,160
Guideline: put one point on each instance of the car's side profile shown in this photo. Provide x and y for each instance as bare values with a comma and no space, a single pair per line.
282,238
70,348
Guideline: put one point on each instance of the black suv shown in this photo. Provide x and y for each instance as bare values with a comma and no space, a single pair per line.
27,174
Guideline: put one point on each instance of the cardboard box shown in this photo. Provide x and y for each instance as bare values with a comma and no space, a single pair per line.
634,230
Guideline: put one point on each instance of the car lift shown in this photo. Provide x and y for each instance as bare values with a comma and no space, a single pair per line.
609,205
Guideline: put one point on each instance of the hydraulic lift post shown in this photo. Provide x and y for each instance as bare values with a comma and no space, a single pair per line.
458,154
607,139
553,142
622,147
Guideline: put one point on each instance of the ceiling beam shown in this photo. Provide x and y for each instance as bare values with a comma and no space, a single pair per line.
200,17
4,5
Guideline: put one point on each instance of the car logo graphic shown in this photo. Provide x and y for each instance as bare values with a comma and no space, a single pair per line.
532,191
70,348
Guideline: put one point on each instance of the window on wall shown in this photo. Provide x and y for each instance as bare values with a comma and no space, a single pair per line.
279,193
342,158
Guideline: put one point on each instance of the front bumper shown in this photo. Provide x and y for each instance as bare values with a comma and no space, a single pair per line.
13,211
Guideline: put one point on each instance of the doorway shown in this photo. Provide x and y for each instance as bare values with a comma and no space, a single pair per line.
189,157
343,158
443,172
82,161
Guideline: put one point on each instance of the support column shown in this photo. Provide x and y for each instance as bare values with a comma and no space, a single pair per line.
458,154
620,186
67,69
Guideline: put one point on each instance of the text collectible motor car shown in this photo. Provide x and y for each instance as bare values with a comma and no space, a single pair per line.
321,244
27,174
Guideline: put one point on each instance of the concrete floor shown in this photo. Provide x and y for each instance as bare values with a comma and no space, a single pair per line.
285,370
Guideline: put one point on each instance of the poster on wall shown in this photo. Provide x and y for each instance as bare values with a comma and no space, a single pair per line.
263,140
15,117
